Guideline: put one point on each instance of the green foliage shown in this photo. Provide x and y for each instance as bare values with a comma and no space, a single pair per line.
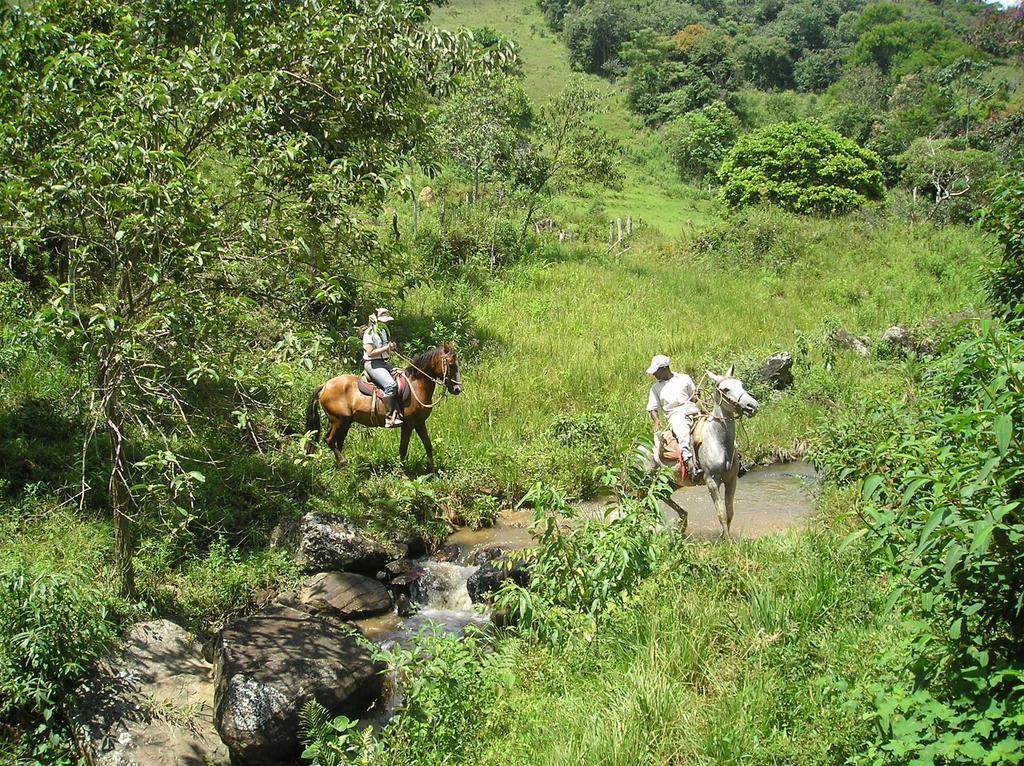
956,180
904,47
727,654
595,33
52,625
176,197
566,149
337,741
804,167
1004,217
765,62
583,566
942,486
479,125
214,585
449,683
816,70
699,140
999,31
805,25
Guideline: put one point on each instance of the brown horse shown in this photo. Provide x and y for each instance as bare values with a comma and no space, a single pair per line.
344,405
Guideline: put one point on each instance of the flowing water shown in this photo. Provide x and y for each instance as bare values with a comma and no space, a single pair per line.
768,499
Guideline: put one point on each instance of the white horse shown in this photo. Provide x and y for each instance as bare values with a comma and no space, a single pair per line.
714,439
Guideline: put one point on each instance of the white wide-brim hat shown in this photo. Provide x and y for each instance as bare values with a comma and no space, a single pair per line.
657,362
383,315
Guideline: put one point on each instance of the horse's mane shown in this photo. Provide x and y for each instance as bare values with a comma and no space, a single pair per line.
424,361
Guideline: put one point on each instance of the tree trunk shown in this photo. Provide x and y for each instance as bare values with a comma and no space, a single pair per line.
120,496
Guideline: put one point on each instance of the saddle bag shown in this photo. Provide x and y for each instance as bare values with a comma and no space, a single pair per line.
668,447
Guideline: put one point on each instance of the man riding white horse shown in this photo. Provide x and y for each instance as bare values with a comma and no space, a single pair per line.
674,394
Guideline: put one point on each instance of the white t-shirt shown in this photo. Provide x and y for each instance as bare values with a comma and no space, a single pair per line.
673,394
377,336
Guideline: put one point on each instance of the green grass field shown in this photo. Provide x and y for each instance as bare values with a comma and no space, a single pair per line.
575,333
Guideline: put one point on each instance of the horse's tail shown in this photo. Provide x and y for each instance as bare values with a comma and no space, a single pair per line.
313,418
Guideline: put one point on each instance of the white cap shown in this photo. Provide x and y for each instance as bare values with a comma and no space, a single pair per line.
383,315
659,361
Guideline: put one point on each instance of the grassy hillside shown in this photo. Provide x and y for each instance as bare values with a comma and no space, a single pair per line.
651,193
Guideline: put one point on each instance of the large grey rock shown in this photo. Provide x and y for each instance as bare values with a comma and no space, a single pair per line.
491,574
269,665
777,370
150,703
899,337
858,345
344,595
330,542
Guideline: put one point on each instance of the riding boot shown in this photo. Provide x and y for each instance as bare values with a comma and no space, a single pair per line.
394,417
693,469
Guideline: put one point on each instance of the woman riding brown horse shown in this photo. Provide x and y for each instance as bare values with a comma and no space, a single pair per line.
345,405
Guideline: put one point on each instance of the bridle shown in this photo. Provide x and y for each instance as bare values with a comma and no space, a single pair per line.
737,407
442,381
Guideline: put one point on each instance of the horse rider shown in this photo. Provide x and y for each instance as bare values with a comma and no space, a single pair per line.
674,394
377,348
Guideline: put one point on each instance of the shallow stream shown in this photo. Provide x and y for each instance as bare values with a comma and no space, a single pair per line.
768,499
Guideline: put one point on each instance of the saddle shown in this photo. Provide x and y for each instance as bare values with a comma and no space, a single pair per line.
368,388
669,451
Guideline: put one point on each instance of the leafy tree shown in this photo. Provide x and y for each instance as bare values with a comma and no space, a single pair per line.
712,54
876,15
765,61
803,166
903,47
816,70
481,123
805,25
686,36
955,179
698,141
556,10
565,149
595,33
690,89
158,182
999,31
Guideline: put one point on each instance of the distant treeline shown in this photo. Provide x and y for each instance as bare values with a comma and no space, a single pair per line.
929,87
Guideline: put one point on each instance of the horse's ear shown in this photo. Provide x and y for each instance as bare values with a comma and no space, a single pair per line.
717,378
730,371
448,346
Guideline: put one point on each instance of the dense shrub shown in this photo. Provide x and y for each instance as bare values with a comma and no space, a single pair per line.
804,167
903,47
955,180
698,141
943,480
765,61
583,566
1005,218
816,70
449,683
52,625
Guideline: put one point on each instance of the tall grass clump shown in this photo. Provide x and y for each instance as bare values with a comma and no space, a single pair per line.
741,654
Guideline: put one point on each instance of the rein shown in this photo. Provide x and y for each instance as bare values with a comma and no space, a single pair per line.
436,381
